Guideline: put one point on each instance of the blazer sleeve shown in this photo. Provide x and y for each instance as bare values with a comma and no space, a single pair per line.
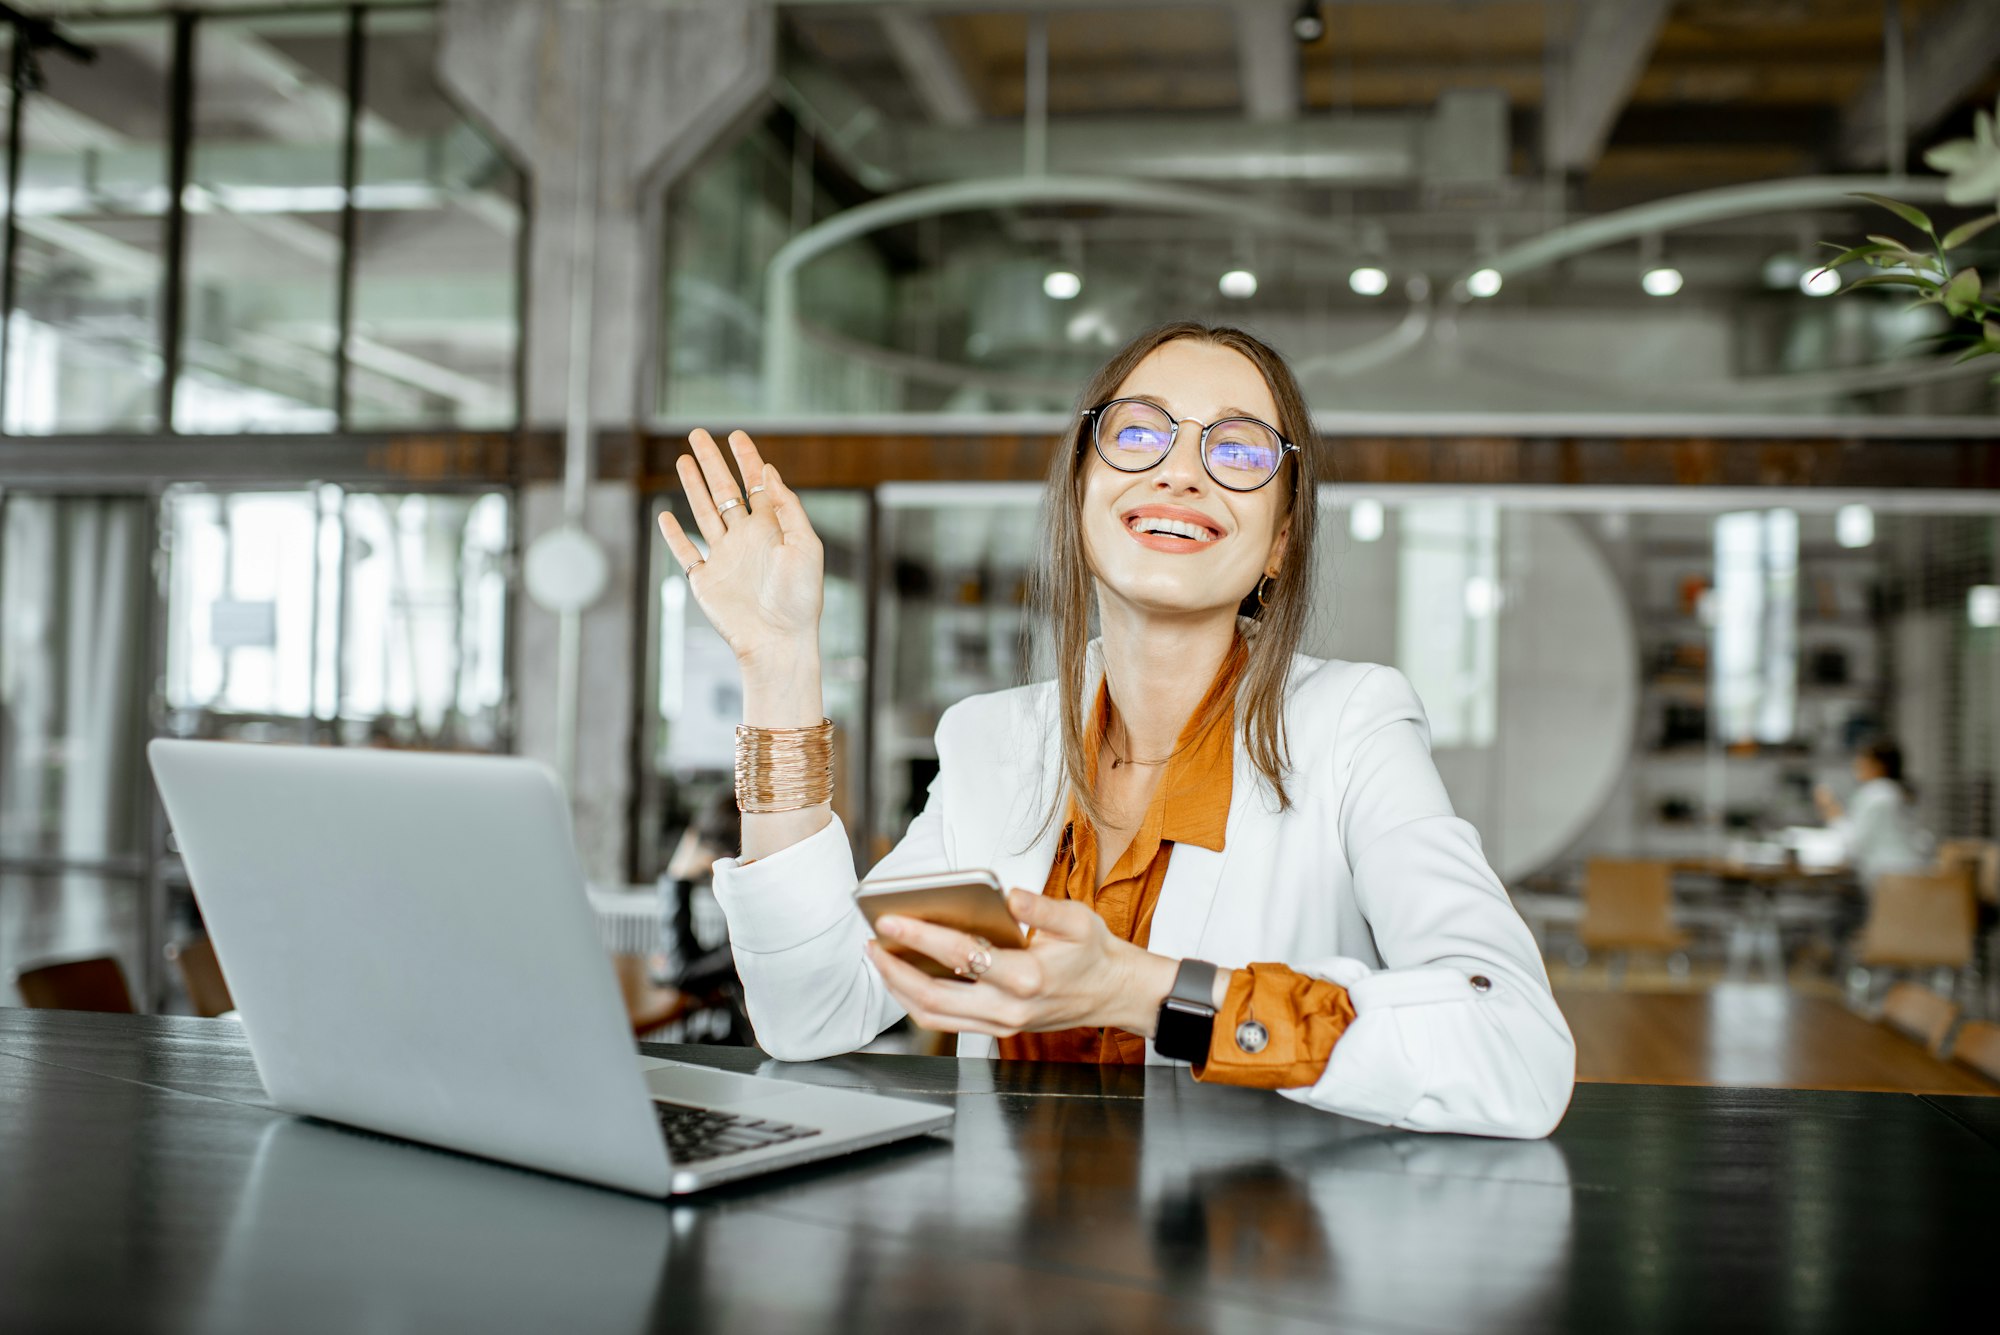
1459,1030
796,935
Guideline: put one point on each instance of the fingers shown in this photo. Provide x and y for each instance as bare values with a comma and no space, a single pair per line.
751,465
699,501
787,509
1041,914
1012,971
678,542
722,486
951,1007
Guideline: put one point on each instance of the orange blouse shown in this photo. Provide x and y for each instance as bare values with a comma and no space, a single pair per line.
1303,1016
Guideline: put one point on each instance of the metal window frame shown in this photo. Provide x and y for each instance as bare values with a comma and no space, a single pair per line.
181,92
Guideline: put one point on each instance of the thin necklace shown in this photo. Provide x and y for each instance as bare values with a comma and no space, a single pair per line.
1118,760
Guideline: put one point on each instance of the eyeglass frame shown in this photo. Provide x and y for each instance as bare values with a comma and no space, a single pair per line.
1095,416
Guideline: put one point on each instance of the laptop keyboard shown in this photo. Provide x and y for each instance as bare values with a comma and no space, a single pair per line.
704,1133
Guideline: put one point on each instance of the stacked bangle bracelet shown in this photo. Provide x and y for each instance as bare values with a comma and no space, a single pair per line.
783,769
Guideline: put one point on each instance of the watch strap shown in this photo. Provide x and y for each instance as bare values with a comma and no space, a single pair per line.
1194,983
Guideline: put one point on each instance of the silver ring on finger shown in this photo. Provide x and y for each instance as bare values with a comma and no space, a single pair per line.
978,959
757,490
722,510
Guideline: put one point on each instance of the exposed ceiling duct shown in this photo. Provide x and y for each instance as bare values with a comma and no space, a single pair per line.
1463,141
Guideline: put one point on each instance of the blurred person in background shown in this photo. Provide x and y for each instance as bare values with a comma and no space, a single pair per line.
1877,824
708,976
1372,964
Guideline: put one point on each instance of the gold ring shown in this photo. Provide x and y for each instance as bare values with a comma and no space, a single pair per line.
978,960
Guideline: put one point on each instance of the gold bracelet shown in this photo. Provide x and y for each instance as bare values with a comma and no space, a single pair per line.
783,769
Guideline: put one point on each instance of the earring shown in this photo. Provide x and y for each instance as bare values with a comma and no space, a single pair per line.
1262,585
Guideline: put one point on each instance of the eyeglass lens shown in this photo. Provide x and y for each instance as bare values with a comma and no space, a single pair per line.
1241,454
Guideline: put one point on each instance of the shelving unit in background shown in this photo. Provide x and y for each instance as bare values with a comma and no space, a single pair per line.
1691,794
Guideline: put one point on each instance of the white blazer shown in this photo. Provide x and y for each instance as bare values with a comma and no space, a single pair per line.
1369,880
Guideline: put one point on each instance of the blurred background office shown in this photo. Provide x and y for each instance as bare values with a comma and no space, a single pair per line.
347,350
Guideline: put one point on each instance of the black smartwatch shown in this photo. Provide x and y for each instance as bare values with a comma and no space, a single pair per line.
1187,1016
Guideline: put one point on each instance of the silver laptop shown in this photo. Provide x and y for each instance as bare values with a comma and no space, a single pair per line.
408,943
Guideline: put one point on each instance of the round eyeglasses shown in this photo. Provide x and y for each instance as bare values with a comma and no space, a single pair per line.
1240,453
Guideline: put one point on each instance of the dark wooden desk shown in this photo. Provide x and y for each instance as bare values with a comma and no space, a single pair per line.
146,1185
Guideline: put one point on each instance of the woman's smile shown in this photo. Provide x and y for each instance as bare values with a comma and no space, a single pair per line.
1172,528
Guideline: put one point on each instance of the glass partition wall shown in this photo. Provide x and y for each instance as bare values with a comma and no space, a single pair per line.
237,222
274,222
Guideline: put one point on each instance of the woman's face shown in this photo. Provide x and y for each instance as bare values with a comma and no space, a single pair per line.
1243,533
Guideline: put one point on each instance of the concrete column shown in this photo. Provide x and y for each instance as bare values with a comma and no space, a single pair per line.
662,80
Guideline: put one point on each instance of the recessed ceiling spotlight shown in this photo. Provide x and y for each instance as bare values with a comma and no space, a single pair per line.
1819,282
1369,281
1365,520
1982,605
1661,282
1309,25
1854,526
1061,284
1484,283
1238,283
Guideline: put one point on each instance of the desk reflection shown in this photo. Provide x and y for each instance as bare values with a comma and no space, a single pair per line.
1188,1208
341,1230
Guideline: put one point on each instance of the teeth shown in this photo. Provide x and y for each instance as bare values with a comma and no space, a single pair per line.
1176,528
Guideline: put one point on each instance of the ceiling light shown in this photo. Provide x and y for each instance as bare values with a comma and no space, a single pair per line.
1484,283
1369,281
1309,26
1061,284
1854,526
1364,521
1661,282
1482,597
1238,283
1982,605
1819,282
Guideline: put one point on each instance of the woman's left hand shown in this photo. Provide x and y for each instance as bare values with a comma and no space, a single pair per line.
1072,972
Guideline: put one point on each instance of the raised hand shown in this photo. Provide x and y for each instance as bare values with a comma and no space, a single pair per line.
762,582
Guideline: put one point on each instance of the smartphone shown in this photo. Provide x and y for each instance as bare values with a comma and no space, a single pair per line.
966,901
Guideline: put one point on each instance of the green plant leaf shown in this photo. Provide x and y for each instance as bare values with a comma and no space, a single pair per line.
1909,213
1892,280
1975,352
1991,329
1962,292
1858,253
1963,233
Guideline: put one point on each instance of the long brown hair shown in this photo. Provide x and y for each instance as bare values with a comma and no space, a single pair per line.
1063,585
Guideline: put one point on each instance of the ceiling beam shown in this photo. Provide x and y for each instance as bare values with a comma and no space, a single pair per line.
1267,60
1946,60
933,71
1606,56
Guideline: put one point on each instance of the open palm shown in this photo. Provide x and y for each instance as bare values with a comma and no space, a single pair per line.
762,581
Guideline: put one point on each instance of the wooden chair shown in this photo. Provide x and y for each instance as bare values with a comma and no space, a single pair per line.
1978,1046
96,984
201,974
1919,920
1628,907
647,1005
1919,1013
1978,857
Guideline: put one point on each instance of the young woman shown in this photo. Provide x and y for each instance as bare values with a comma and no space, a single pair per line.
1879,828
1229,854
